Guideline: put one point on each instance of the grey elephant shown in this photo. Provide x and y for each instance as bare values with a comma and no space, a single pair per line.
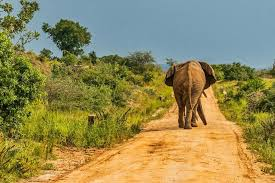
189,80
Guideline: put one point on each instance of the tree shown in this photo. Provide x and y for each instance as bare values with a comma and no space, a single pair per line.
92,57
20,84
46,53
69,36
272,71
15,25
171,61
139,62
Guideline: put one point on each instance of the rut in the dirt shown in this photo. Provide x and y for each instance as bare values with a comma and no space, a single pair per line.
165,153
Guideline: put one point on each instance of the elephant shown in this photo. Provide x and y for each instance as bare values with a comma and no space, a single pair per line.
189,80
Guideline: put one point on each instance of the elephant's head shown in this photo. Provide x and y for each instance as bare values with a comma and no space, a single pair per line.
209,74
170,75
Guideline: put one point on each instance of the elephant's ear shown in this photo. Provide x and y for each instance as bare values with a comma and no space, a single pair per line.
209,73
170,75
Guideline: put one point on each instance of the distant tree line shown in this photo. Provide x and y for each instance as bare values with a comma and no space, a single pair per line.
234,71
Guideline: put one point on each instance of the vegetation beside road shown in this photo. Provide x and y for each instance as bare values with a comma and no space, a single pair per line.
45,100
250,101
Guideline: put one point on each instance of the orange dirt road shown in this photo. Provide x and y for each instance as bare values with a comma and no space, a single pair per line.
164,153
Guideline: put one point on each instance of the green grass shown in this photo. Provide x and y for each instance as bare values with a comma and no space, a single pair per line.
20,159
45,128
121,100
259,127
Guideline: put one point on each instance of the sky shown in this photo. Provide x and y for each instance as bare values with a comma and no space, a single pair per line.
218,31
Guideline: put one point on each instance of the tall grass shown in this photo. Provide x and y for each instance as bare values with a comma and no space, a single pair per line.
19,159
259,126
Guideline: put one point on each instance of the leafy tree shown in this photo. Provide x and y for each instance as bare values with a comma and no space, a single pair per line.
92,57
113,59
218,71
20,84
46,53
171,61
139,62
15,25
235,71
272,71
69,36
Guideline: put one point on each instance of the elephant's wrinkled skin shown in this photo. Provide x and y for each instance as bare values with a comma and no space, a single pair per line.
189,80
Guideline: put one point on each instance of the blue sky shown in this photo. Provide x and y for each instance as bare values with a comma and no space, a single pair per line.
219,31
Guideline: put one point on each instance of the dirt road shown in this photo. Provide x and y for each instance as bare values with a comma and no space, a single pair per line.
165,153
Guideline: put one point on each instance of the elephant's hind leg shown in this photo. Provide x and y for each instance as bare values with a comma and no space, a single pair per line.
194,117
188,117
181,107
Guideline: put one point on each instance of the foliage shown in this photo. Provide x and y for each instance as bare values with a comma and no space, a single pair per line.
171,61
261,136
68,35
234,71
267,103
67,95
251,104
91,58
140,62
113,59
20,84
218,71
113,124
69,58
45,54
15,25
19,160
249,87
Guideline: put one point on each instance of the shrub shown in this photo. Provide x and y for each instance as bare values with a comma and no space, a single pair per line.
19,159
140,62
66,94
69,59
111,76
247,88
113,59
20,84
234,71
261,136
148,77
218,71
267,103
45,54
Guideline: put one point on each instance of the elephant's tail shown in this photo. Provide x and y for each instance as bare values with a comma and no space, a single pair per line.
201,112
190,85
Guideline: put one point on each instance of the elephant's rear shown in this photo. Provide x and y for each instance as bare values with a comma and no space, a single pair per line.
189,78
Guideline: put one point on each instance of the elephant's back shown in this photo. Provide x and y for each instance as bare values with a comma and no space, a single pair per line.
190,71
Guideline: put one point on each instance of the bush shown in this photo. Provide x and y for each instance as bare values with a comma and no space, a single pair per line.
267,103
69,59
261,136
66,94
113,59
251,104
140,62
19,159
20,85
247,88
111,76
234,71
45,54
218,71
